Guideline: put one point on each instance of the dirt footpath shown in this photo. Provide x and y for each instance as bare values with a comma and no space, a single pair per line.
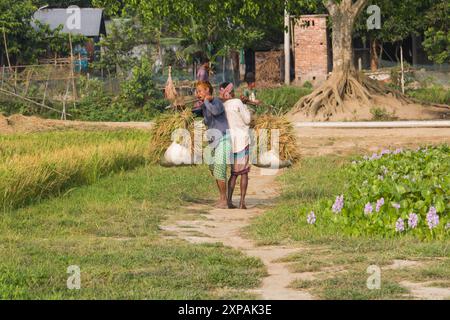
327,141
225,226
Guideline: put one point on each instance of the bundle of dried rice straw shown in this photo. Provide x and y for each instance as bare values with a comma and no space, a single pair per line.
165,125
169,91
288,147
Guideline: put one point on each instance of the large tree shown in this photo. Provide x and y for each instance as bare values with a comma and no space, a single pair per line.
437,33
400,20
345,82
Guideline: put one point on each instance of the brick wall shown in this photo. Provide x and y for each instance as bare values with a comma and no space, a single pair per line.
311,49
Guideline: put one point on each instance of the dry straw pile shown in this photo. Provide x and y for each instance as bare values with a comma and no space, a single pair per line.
163,128
289,149
161,133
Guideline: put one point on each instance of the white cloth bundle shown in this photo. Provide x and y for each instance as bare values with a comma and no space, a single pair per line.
270,159
177,155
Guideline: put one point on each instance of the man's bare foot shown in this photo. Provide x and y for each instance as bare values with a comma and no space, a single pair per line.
221,205
242,206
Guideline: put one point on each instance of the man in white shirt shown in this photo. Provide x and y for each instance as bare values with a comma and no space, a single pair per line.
239,117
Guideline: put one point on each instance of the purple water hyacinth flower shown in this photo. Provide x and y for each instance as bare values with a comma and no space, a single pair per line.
432,218
375,156
380,177
338,204
368,209
412,220
311,219
397,151
380,203
396,205
400,225
385,151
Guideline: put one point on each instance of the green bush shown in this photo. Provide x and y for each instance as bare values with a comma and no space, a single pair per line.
139,99
308,85
280,100
381,114
391,194
434,94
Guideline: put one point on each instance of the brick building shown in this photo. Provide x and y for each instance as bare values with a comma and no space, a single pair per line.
312,49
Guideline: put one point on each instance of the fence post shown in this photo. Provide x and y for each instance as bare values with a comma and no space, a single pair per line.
403,70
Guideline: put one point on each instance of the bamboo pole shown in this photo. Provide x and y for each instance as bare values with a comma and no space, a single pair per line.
31,101
74,88
3,75
292,23
63,113
45,90
287,48
15,80
6,50
403,69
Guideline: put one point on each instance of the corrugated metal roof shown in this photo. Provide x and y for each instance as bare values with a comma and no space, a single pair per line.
91,20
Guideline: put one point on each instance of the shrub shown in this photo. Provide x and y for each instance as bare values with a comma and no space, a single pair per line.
138,100
433,94
280,100
381,114
394,193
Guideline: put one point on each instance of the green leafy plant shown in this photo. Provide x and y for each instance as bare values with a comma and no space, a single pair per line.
381,114
392,194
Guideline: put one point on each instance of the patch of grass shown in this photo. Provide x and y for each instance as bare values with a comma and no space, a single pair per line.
110,229
434,94
353,286
381,114
439,284
36,166
339,262
280,100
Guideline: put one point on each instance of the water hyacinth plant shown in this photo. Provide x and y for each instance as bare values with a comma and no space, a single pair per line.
400,225
413,219
338,204
415,184
432,218
311,219
380,203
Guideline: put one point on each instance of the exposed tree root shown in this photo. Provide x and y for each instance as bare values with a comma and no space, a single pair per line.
329,98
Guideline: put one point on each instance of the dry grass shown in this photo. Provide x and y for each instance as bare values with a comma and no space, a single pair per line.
289,149
36,172
164,127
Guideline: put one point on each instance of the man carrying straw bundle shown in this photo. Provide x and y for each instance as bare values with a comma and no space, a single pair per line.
215,119
239,118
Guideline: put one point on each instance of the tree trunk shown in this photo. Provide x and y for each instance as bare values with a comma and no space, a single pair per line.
342,24
345,82
235,63
374,56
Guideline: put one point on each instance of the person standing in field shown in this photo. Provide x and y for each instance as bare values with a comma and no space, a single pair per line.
203,71
239,117
213,112
249,95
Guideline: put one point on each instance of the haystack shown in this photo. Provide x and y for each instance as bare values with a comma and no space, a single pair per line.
288,147
165,125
